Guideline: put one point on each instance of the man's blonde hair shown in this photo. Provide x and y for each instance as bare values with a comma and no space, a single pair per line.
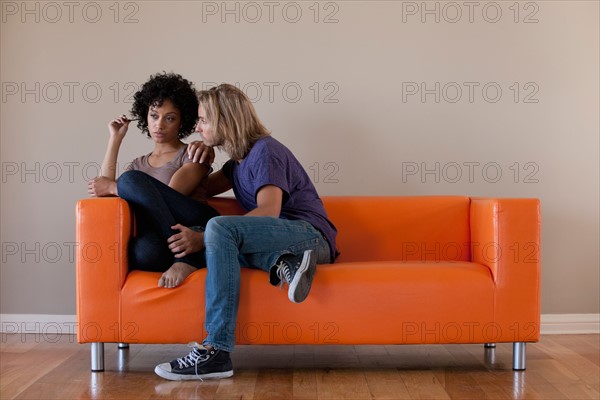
233,119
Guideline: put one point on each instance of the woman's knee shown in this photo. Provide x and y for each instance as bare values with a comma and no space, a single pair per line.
132,176
130,182
128,178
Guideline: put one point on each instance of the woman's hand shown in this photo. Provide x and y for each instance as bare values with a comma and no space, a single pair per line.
201,153
101,186
118,127
186,242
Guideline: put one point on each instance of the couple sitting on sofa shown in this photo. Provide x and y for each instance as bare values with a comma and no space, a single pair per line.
178,232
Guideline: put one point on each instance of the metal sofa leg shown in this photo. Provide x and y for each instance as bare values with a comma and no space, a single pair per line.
97,356
489,354
519,356
123,345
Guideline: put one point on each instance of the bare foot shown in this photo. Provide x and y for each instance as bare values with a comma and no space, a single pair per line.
175,275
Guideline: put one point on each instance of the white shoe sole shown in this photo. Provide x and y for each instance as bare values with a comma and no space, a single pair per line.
300,274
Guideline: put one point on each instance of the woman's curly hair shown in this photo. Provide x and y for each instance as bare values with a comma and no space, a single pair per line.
167,86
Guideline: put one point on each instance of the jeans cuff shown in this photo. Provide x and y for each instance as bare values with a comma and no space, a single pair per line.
215,346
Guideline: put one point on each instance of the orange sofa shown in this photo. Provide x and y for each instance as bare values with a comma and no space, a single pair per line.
412,270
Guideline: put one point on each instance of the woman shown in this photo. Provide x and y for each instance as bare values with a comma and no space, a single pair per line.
166,190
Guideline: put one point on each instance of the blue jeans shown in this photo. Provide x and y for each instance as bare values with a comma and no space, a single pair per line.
157,207
256,242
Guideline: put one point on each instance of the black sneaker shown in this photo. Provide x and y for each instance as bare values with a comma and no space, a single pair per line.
200,364
298,272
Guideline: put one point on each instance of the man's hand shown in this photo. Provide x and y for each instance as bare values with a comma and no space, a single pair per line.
101,186
186,242
201,153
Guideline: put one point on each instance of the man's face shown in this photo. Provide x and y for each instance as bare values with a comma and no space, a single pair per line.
206,130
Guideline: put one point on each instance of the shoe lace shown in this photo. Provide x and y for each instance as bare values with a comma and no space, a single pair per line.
284,273
193,358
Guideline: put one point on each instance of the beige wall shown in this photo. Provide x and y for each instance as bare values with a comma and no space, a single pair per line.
341,84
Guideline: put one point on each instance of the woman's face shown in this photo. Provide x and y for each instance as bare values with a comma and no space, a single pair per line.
164,122
206,130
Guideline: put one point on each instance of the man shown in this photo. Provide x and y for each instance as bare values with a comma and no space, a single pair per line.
285,232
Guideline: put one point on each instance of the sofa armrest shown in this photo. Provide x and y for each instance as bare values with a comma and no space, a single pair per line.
103,229
505,236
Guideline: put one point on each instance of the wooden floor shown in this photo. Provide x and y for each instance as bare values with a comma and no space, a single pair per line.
56,367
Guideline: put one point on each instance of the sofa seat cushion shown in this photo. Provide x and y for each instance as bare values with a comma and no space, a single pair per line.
350,303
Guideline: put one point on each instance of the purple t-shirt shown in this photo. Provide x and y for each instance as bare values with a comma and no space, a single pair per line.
271,163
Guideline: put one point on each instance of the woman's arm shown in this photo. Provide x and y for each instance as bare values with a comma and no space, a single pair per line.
117,129
188,177
105,184
188,241
218,183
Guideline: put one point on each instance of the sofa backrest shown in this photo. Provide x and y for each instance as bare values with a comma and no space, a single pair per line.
226,205
394,228
424,228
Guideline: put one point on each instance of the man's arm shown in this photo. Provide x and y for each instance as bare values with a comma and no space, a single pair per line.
187,241
218,183
268,200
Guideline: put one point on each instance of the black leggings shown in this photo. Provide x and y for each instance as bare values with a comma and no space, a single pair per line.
157,207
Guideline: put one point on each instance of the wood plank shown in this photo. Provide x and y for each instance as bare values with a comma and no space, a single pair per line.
424,385
21,369
587,346
386,384
17,343
578,391
459,385
582,367
73,378
335,384
305,384
274,384
541,392
558,367
240,386
183,390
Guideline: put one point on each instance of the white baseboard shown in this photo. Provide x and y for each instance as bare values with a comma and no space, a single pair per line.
555,324
551,324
